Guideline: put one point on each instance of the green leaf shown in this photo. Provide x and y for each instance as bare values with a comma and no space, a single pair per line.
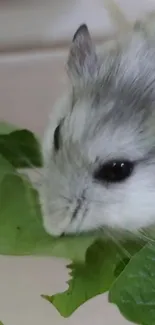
134,290
5,168
21,230
95,276
6,128
1,323
21,149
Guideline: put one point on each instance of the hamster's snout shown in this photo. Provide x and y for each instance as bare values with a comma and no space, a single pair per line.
79,203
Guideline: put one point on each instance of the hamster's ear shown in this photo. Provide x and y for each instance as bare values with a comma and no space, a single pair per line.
82,61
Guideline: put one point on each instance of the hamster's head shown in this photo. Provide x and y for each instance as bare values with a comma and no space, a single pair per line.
99,146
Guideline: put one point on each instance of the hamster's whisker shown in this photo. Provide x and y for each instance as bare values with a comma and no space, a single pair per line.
144,236
66,198
56,201
32,168
122,249
60,208
96,201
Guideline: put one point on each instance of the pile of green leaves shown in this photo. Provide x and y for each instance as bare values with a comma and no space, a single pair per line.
126,270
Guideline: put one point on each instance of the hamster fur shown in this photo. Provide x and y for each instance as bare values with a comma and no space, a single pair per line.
108,115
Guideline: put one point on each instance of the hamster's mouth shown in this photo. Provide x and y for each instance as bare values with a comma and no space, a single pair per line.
96,233
105,234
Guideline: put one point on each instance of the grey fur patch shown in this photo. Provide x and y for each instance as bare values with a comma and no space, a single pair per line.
112,117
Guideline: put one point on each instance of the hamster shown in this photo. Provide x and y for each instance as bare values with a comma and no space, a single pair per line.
99,145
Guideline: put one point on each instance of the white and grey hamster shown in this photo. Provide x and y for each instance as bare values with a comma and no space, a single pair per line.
99,146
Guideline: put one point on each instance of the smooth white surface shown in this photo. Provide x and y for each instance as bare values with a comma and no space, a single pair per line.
23,280
29,87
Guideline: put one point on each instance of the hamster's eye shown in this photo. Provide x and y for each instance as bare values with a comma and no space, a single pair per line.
114,171
57,138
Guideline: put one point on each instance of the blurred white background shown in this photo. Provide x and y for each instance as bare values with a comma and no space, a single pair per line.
34,36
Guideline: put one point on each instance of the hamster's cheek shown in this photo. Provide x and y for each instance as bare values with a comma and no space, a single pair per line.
139,210
136,210
129,210
137,207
